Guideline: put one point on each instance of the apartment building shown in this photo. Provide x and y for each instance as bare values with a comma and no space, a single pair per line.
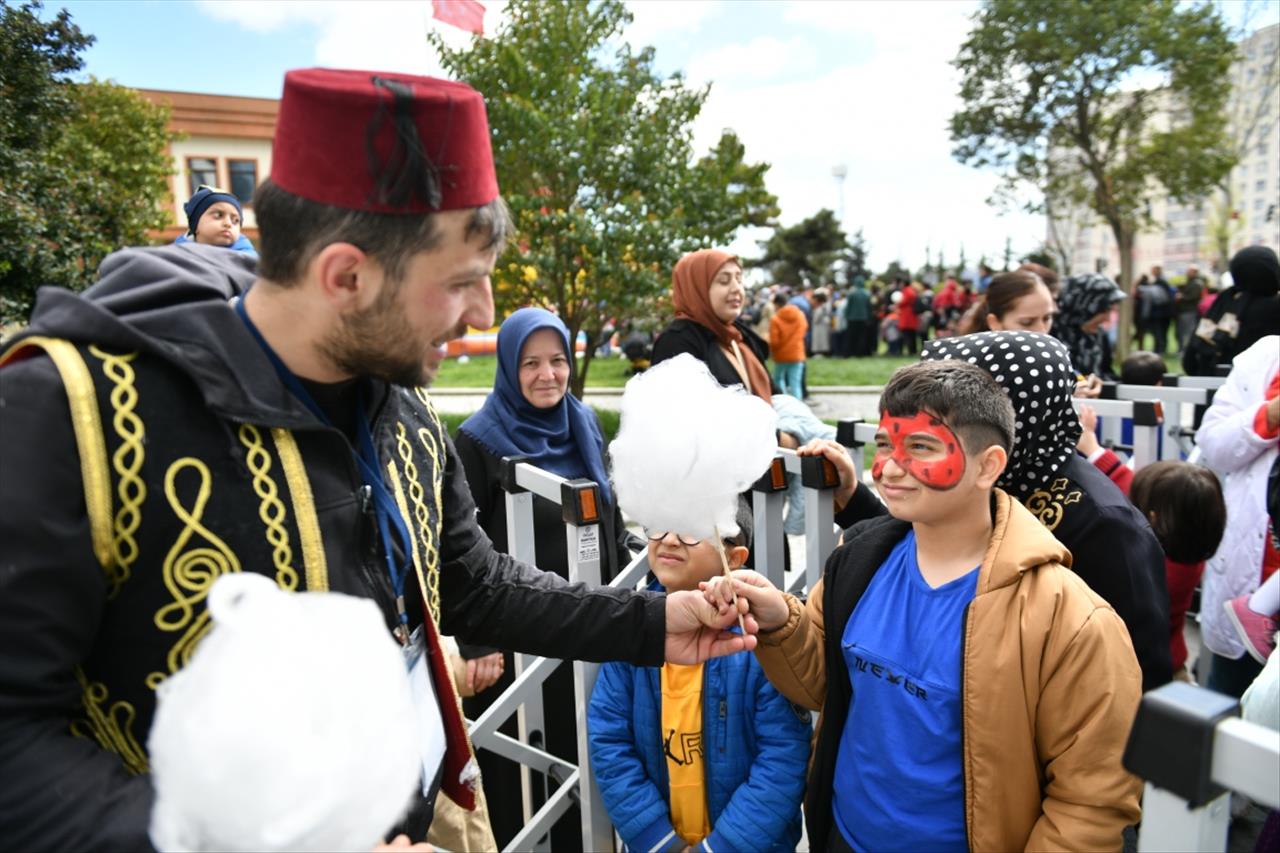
1187,234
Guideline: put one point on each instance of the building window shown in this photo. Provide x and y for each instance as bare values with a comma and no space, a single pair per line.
1260,186
1262,149
202,171
1257,203
244,178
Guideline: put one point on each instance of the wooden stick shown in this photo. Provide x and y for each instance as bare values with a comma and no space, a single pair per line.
728,577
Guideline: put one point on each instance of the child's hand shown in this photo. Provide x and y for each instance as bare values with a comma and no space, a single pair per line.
1088,386
838,455
755,595
1088,443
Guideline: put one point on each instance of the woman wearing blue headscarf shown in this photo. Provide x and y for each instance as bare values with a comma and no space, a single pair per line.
530,414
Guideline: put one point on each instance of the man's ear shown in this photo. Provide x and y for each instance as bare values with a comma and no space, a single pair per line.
339,268
991,463
737,555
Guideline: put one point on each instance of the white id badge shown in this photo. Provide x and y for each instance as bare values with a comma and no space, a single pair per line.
431,747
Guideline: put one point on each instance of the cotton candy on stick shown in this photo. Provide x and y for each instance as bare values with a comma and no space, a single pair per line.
686,449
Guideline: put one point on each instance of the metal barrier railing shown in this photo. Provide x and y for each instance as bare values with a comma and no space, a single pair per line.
1179,410
1147,416
580,505
1191,747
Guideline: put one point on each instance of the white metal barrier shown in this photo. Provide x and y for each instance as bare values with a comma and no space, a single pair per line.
1147,416
1179,410
1191,747
581,507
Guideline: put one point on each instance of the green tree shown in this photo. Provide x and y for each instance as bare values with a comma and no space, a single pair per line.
855,258
83,166
804,253
595,157
1052,97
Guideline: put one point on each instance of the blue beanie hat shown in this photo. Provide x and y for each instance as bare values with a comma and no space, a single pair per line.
204,198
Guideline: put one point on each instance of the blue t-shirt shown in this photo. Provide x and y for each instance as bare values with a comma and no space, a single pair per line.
899,782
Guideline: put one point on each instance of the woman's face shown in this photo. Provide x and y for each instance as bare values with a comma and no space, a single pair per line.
544,369
726,294
1032,313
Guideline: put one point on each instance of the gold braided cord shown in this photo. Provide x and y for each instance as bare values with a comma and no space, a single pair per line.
110,724
90,441
435,449
127,462
270,510
398,490
430,565
304,511
189,572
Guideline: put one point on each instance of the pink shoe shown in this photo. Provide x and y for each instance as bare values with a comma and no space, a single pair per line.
1257,632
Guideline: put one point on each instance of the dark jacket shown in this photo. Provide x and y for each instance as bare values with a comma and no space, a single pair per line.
1112,549
204,464
699,341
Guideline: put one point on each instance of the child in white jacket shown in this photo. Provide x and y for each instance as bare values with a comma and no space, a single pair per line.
1238,439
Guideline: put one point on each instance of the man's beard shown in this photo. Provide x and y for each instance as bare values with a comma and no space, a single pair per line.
379,343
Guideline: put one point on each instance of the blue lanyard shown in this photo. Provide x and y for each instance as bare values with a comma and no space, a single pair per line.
366,456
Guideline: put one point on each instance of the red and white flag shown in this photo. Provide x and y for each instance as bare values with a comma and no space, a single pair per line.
464,14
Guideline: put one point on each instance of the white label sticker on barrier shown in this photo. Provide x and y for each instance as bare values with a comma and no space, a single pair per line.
589,542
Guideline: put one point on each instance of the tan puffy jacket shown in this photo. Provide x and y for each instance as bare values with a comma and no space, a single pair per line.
1050,689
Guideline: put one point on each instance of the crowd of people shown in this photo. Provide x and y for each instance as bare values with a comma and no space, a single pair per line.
1004,592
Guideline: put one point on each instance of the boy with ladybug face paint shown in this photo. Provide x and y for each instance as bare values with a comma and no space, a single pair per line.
937,626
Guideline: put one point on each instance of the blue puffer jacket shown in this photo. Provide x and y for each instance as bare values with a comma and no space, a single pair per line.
756,748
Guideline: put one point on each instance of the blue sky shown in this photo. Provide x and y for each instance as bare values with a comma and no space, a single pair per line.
807,85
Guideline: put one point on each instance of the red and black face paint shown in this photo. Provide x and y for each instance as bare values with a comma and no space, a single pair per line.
940,474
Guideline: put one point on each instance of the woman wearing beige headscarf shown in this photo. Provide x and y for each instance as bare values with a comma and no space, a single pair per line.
707,292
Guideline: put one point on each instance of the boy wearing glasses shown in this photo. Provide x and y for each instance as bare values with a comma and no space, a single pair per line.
705,757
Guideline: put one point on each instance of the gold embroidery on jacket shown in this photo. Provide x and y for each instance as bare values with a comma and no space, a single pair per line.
304,510
127,462
189,573
398,491
90,441
270,509
422,516
1049,507
110,724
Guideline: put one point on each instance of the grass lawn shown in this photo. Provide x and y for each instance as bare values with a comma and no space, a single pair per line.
613,372
478,372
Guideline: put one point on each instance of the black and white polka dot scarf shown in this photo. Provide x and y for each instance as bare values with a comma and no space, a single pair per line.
1036,372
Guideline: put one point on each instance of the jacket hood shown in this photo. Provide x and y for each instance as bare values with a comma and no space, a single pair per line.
174,302
1019,542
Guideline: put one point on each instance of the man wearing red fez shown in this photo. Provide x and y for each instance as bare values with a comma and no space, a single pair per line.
191,416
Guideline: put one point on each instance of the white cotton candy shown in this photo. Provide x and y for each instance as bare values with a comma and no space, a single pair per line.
291,728
687,447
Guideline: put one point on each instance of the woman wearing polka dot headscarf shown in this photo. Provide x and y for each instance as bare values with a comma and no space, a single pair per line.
1112,546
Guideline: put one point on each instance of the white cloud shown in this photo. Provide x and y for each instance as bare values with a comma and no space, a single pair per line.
654,18
759,59
886,120
385,35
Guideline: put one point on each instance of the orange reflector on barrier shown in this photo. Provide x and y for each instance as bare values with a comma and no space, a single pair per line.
587,506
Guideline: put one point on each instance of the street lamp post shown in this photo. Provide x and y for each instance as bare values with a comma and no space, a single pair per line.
840,171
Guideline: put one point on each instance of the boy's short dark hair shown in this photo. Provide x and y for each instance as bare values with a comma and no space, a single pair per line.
1142,368
292,229
1190,513
779,299
963,395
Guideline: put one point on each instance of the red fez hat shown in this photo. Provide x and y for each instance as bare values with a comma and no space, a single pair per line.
384,143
